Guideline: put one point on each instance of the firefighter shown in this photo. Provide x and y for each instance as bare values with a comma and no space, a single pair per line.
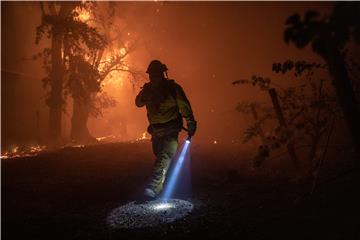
166,105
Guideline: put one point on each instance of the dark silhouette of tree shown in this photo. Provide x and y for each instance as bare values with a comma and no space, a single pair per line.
76,64
315,107
328,37
306,112
82,85
90,64
55,19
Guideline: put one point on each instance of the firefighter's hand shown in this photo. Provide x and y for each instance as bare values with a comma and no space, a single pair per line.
191,128
146,93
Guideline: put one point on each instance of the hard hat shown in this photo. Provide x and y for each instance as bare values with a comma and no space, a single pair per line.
156,66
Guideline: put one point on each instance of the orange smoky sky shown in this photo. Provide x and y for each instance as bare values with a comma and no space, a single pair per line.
206,46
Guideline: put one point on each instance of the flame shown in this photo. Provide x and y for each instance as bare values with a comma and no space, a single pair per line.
16,151
115,78
83,14
78,146
144,136
105,137
122,51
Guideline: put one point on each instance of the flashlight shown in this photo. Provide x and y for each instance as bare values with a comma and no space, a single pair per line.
188,139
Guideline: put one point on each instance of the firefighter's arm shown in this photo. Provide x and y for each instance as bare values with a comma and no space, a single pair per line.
142,97
138,100
185,110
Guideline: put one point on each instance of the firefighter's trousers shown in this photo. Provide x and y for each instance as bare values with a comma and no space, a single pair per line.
164,148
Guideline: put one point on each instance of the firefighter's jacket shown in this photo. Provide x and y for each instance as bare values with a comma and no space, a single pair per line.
166,105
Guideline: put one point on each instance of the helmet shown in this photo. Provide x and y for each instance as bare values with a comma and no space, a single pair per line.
156,66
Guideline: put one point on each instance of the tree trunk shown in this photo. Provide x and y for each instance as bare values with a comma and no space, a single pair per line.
259,128
79,130
316,137
282,123
55,100
346,96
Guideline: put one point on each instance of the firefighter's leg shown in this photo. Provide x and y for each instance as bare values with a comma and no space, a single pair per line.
165,148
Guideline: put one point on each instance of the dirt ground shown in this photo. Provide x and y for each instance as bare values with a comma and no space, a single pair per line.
67,194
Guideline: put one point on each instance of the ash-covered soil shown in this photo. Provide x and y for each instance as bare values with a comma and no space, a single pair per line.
69,193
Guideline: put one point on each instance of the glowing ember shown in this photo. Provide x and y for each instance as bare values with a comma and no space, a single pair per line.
105,138
35,149
215,142
78,146
16,151
144,136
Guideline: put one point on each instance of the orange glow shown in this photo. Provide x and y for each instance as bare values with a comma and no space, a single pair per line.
122,51
78,146
114,81
83,14
143,137
100,139
16,151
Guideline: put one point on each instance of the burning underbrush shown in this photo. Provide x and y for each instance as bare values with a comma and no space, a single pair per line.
19,151
16,151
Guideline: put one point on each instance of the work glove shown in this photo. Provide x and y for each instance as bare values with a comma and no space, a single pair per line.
191,128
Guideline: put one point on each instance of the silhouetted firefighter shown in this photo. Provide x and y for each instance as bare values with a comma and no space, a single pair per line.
166,105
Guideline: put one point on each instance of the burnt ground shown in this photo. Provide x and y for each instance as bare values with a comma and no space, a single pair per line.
67,194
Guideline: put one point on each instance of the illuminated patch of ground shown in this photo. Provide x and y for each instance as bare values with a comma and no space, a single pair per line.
149,214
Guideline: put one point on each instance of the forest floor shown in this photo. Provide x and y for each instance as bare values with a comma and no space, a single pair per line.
67,194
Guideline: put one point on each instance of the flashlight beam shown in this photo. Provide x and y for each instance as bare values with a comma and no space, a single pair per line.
172,179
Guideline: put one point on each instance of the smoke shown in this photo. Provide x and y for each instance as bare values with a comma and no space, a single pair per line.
206,46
